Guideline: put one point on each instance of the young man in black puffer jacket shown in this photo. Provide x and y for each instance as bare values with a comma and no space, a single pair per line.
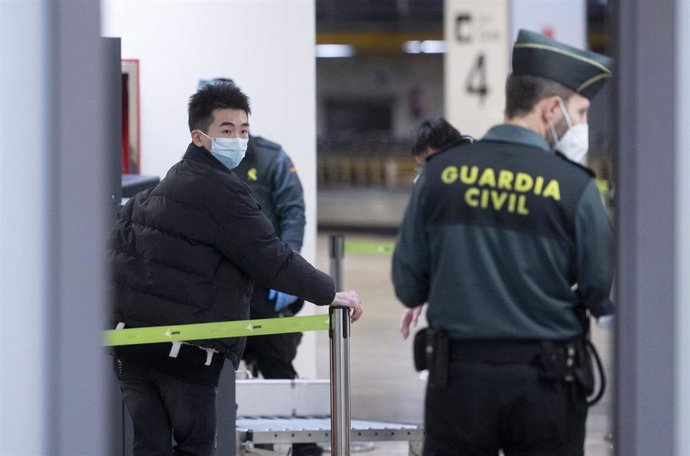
189,251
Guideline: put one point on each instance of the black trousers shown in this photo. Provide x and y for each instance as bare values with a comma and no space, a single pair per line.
164,407
270,355
486,407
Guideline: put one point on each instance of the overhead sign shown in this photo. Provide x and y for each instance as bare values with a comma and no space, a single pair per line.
479,36
476,65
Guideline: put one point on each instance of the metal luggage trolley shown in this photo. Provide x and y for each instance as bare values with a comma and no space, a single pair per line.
282,412
279,413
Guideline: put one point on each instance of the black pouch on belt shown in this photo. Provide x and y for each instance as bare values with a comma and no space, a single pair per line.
551,362
438,355
419,350
431,351
583,371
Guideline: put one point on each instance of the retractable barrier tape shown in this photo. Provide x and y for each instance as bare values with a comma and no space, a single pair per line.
366,247
242,328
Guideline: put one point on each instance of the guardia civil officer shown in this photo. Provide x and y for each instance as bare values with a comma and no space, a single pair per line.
509,242
272,177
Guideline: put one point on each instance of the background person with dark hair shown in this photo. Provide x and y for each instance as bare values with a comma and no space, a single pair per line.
189,251
430,137
511,246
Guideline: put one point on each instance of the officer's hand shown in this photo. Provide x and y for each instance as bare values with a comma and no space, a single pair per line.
282,299
410,317
349,299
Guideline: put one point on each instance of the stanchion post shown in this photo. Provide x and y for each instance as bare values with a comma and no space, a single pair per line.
340,381
337,249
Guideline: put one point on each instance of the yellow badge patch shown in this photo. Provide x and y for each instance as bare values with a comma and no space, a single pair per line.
251,174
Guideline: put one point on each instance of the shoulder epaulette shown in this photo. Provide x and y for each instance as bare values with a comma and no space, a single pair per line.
582,167
465,140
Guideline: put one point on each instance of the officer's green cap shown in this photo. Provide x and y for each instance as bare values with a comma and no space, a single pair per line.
582,71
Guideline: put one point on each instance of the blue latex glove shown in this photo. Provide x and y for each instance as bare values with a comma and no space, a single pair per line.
606,322
282,299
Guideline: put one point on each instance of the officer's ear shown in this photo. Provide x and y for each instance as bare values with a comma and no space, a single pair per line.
550,109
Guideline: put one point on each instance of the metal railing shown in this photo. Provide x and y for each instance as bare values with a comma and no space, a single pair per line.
340,381
339,335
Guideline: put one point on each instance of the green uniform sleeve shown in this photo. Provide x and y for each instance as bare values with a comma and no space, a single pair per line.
594,256
411,259
288,200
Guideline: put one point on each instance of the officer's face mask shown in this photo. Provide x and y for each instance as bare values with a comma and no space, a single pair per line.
575,142
229,151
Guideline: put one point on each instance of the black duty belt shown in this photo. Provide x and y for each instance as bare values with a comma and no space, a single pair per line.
497,351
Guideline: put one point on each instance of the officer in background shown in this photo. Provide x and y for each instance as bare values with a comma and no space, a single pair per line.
510,244
274,182
273,179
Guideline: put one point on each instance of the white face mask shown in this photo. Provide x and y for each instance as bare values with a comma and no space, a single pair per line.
575,142
229,151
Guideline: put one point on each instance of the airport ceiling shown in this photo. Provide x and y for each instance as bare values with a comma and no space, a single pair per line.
382,25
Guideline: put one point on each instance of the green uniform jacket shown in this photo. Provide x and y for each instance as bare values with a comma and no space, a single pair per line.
273,180
504,239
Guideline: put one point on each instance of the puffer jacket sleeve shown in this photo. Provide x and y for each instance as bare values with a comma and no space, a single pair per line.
247,238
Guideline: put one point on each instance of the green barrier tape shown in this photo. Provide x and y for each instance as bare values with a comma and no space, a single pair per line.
157,334
369,248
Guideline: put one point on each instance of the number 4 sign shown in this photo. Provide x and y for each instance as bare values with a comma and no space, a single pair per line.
476,80
476,63
479,36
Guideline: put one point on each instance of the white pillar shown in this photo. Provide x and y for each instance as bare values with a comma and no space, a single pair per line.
266,46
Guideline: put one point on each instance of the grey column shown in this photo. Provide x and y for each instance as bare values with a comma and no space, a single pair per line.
646,212
682,224
55,205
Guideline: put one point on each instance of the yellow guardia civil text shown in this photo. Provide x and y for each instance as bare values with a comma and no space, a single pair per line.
500,190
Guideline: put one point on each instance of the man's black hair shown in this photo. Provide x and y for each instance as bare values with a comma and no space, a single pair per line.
220,95
523,92
437,133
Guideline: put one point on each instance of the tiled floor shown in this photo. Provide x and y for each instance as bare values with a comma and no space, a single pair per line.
384,383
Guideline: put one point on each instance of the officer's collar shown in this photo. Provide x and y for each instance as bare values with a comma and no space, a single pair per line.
516,134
